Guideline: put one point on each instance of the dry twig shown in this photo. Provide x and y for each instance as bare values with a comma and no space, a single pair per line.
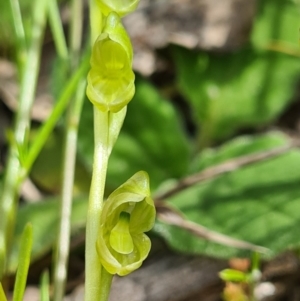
172,216
228,166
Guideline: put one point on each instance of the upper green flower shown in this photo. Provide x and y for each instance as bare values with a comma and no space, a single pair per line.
111,79
127,213
122,7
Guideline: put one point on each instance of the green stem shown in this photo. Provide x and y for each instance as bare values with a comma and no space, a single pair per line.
101,154
8,200
93,285
63,245
76,30
23,263
44,287
69,161
20,33
57,30
106,280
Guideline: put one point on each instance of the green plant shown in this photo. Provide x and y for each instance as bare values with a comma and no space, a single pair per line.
110,88
113,226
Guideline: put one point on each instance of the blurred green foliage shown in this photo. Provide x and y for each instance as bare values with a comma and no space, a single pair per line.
248,88
45,221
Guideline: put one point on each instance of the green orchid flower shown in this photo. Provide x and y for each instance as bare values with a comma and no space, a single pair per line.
127,213
111,79
122,7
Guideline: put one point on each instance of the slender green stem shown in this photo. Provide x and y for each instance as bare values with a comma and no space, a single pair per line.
93,265
106,280
101,154
23,263
20,33
8,200
97,279
63,245
57,30
76,30
69,160
44,287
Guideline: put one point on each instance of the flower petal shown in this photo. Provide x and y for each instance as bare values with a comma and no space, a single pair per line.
111,79
127,213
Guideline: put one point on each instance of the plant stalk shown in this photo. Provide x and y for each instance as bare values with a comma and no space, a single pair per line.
63,244
20,34
69,157
57,30
101,154
93,267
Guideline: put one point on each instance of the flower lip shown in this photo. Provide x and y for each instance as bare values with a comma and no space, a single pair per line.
120,238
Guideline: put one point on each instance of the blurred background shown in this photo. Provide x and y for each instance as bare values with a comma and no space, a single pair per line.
216,80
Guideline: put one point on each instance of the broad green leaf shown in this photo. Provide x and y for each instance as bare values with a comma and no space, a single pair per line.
276,20
151,139
242,90
44,217
248,88
259,203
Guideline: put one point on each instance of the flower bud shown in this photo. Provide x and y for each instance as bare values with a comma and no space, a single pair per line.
111,79
127,213
122,7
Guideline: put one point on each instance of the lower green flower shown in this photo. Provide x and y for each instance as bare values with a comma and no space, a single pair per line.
127,213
